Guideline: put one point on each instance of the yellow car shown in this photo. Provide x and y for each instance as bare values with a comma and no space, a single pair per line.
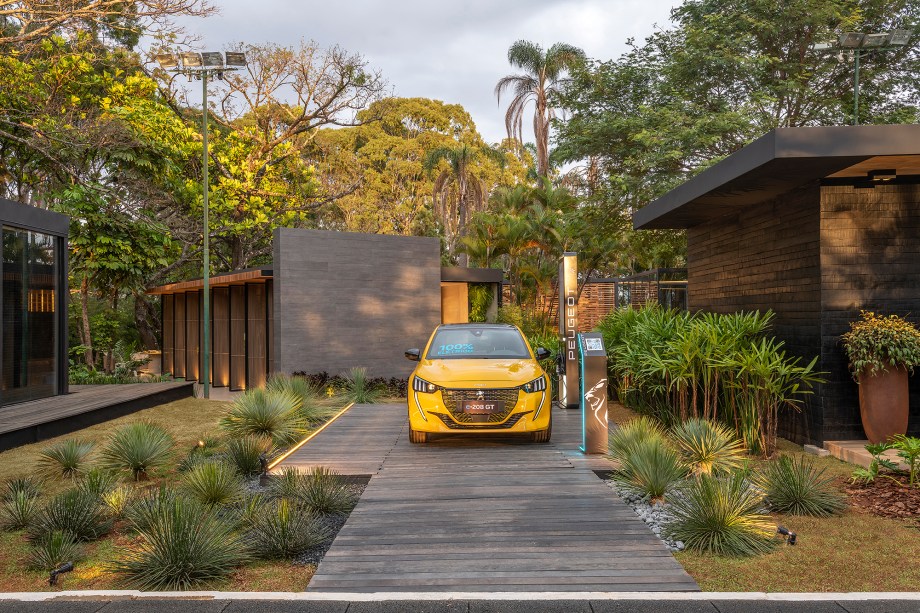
481,378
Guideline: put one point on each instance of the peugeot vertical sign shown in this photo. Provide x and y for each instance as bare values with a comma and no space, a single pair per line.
568,330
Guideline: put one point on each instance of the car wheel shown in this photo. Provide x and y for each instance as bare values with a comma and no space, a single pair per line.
417,437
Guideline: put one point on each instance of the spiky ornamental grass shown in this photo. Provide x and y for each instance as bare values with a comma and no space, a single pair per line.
706,447
273,414
27,485
137,448
205,449
66,458
300,387
53,549
720,515
289,483
245,453
75,511
98,482
796,486
285,528
650,467
142,510
117,500
214,483
18,510
629,434
184,545
358,388
325,491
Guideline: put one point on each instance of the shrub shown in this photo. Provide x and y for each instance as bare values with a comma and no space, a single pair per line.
205,449
65,458
142,511
117,501
274,414
324,491
720,515
289,483
876,342
138,448
796,486
650,467
245,453
214,483
629,434
184,545
358,389
52,550
26,485
706,447
284,528
248,510
75,511
18,510
303,389
908,448
98,482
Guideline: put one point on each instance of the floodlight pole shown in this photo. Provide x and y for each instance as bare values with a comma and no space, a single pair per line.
856,55
206,290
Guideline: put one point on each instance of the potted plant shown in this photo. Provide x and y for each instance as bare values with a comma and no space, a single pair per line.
881,351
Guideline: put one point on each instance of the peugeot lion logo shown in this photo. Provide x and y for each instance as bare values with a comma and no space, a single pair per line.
480,395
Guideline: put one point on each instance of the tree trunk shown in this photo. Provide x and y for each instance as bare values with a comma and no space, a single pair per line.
237,259
147,320
84,312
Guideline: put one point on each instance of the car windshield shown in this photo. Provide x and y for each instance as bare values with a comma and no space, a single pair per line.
473,342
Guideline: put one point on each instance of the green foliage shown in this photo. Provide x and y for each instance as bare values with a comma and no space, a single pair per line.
214,483
143,510
326,492
273,414
117,500
908,448
796,486
480,299
358,389
290,483
66,458
98,482
53,549
74,511
706,447
650,467
876,342
512,314
629,434
302,388
26,485
137,448
285,528
871,473
18,509
720,515
244,453
183,545
205,449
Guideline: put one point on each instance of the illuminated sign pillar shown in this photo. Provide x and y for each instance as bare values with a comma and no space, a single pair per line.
593,392
568,331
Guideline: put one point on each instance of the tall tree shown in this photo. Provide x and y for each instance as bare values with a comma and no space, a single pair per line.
543,73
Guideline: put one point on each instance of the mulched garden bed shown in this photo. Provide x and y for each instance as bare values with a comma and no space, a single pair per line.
884,497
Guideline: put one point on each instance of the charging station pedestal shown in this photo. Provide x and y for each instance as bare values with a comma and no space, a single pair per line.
592,383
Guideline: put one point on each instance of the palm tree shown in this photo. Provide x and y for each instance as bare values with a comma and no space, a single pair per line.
457,191
543,72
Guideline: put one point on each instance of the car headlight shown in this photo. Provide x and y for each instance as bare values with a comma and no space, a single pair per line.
537,385
420,385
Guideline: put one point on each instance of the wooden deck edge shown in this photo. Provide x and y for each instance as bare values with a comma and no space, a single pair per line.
290,451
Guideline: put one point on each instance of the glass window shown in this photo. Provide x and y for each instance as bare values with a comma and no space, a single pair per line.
30,295
477,342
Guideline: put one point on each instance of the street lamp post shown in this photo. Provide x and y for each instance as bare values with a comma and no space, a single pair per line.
859,45
201,66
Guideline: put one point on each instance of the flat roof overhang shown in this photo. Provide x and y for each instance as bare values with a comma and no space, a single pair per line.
781,161
460,274
237,277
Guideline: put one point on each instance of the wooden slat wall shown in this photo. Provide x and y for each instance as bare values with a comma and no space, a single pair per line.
192,335
256,337
270,322
169,331
180,336
220,340
237,337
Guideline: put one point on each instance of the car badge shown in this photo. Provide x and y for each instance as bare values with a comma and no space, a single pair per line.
480,395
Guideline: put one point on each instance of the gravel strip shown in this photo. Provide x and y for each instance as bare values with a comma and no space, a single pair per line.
655,515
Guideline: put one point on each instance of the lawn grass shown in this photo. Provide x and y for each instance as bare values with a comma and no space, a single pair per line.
853,552
188,420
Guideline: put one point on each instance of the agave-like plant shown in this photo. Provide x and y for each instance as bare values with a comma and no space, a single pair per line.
142,510
289,483
721,515
274,414
138,448
302,388
18,510
246,453
214,483
27,485
53,549
285,528
325,491
706,447
359,389
796,486
650,468
65,458
74,511
184,545
98,482
628,435
117,500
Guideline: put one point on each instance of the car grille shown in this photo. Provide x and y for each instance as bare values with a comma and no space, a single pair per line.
453,425
453,397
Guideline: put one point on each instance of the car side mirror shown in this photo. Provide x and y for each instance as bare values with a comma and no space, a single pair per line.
543,354
412,355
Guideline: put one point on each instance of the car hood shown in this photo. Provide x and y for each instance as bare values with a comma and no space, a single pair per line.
448,373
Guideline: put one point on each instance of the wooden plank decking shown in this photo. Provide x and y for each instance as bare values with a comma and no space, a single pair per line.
465,514
85,405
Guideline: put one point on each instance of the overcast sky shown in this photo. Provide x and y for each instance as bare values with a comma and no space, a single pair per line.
450,51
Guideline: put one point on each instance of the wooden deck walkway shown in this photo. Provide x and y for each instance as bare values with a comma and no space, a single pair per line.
467,514
85,405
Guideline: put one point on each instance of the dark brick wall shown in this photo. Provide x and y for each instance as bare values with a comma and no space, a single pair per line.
870,259
344,299
766,257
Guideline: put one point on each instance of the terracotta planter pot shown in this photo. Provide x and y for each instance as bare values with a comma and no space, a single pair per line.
884,403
